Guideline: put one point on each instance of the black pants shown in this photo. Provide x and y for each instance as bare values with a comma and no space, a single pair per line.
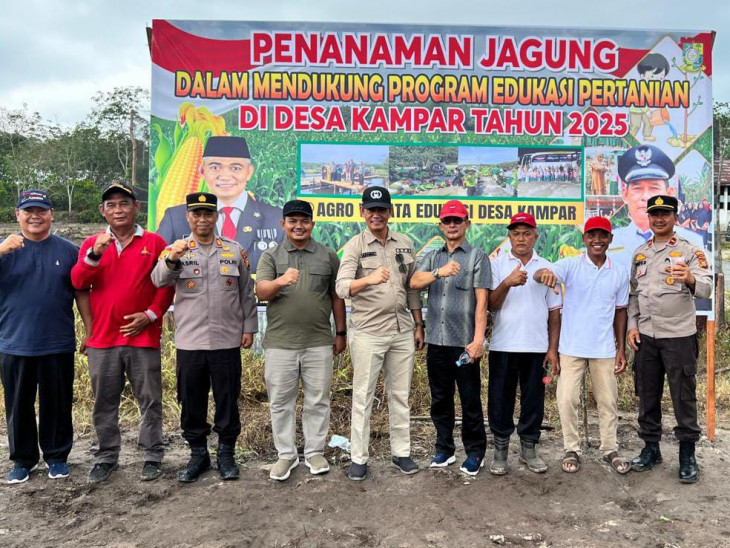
443,375
197,371
506,369
52,376
677,358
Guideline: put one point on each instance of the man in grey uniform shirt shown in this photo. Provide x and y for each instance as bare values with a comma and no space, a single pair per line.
215,315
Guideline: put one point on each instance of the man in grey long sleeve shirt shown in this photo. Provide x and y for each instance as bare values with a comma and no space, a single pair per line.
215,315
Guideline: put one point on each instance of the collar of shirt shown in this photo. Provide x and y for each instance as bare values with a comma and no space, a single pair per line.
607,263
671,242
511,257
238,206
138,231
370,237
464,246
288,246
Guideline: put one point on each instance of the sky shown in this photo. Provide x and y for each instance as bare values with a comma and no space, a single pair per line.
56,54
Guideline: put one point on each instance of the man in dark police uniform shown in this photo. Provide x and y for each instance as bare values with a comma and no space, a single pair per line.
227,168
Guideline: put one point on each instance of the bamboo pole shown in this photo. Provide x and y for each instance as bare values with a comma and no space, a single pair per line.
711,380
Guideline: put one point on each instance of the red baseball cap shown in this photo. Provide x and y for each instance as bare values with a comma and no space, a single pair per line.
598,223
522,218
454,208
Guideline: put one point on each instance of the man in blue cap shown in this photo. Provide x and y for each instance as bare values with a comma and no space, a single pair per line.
645,171
37,339
227,168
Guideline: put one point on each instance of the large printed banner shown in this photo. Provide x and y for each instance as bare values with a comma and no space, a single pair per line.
563,123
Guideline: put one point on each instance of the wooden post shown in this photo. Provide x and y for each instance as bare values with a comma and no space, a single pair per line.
711,380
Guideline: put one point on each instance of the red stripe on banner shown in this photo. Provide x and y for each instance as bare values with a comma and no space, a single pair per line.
627,59
174,49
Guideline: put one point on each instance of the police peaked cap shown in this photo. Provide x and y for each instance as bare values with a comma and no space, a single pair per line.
645,162
227,147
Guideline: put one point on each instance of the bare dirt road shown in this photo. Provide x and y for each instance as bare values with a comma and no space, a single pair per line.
595,507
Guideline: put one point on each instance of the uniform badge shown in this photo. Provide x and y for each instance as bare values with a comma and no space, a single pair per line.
701,259
659,200
191,284
192,244
256,214
219,242
229,282
244,256
196,271
226,248
145,251
262,245
640,257
675,253
670,280
58,263
643,158
227,255
224,270
673,240
272,244
247,229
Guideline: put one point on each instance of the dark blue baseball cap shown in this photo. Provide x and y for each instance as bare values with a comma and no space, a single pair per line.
34,198
645,162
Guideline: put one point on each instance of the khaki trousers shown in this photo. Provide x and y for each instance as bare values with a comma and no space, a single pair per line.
283,369
393,353
605,392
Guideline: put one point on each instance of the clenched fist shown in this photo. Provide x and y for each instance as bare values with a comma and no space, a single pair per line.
178,249
380,276
451,268
290,277
516,277
11,243
102,242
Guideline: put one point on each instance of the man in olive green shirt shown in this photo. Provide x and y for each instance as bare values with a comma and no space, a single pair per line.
297,278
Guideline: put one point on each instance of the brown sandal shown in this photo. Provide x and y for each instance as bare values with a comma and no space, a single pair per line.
571,462
620,464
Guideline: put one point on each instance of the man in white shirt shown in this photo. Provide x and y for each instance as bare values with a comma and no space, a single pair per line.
594,312
526,326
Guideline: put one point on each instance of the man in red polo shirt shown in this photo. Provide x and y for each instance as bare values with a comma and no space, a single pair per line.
127,312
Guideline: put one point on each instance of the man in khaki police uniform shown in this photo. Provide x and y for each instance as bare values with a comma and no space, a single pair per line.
375,271
215,315
667,273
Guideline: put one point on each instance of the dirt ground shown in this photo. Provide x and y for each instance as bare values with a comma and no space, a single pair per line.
595,507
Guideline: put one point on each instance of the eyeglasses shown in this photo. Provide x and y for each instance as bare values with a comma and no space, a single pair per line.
452,221
402,268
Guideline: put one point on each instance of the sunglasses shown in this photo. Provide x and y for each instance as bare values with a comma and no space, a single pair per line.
452,221
402,268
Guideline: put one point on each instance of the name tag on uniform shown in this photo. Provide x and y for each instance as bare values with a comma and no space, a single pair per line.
368,254
404,250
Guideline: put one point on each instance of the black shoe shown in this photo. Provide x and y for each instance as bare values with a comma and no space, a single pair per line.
649,456
357,472
100,472
226,463
151,470
689,471
199,462
405,465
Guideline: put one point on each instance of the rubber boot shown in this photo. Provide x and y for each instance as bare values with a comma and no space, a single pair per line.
199,462
689,471
650,455
498,466
528,456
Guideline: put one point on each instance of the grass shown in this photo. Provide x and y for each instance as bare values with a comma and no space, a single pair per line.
256,439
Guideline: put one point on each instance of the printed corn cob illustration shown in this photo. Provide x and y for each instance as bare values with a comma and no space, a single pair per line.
178,164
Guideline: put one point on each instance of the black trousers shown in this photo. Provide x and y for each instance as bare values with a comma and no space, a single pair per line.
443,376
506,370
52,377
677,359
197,371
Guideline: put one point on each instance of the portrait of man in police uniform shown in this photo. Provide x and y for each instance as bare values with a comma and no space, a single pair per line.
645,171
227,168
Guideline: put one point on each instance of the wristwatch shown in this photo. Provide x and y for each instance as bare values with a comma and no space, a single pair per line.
435,273
421,324
341,333
173,262
93,257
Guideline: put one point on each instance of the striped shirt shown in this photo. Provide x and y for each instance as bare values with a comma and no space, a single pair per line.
452,301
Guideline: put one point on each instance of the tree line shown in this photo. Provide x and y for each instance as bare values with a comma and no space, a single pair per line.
73,163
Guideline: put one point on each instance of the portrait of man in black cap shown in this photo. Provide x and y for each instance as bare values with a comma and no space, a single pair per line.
645,171
227,168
